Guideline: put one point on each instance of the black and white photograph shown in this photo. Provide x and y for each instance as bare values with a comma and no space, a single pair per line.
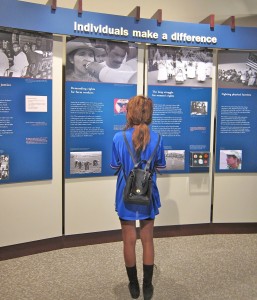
4,167
176,66
85,162
199,108
26,55
93,60
230,160
237,69
175,159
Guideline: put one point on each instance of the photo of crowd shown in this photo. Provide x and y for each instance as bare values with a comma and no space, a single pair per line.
92,60
237,69
179,66
25,55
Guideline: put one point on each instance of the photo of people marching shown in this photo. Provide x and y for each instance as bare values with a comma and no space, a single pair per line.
180,66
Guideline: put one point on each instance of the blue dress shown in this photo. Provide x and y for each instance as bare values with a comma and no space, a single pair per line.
121,157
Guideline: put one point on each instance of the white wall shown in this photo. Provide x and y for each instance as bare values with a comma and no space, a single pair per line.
89,205
235,198
186,199
33,210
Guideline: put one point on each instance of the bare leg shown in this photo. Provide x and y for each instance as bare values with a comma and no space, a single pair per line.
146,235
129,237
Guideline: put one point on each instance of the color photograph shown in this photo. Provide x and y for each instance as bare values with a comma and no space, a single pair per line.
230,159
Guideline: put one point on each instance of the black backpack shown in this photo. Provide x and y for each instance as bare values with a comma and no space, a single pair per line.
138,188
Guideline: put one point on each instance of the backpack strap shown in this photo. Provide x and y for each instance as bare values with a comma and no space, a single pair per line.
129,149
132,156
153,153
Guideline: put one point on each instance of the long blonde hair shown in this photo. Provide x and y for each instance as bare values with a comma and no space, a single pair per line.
139,116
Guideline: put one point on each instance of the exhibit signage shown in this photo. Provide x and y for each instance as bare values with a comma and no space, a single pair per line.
179,82
96,102
25,107
236,112
103,26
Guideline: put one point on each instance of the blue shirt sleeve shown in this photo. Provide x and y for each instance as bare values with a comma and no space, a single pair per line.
161,161
115,162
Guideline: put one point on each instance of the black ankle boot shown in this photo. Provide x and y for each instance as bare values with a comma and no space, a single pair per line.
134,289
133,282
147,282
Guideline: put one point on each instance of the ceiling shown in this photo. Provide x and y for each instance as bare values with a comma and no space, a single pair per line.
193,11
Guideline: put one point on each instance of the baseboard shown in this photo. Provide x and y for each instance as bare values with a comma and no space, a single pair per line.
68,241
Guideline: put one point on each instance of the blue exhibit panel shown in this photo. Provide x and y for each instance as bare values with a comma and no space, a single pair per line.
182,117
25,129
236,129
94,113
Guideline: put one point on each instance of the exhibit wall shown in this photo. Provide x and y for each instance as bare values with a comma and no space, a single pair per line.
75,202
33,210
89,202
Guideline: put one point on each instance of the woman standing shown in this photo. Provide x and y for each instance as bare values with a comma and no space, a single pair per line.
143,140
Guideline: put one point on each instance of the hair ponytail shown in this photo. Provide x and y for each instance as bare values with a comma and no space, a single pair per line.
139,116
